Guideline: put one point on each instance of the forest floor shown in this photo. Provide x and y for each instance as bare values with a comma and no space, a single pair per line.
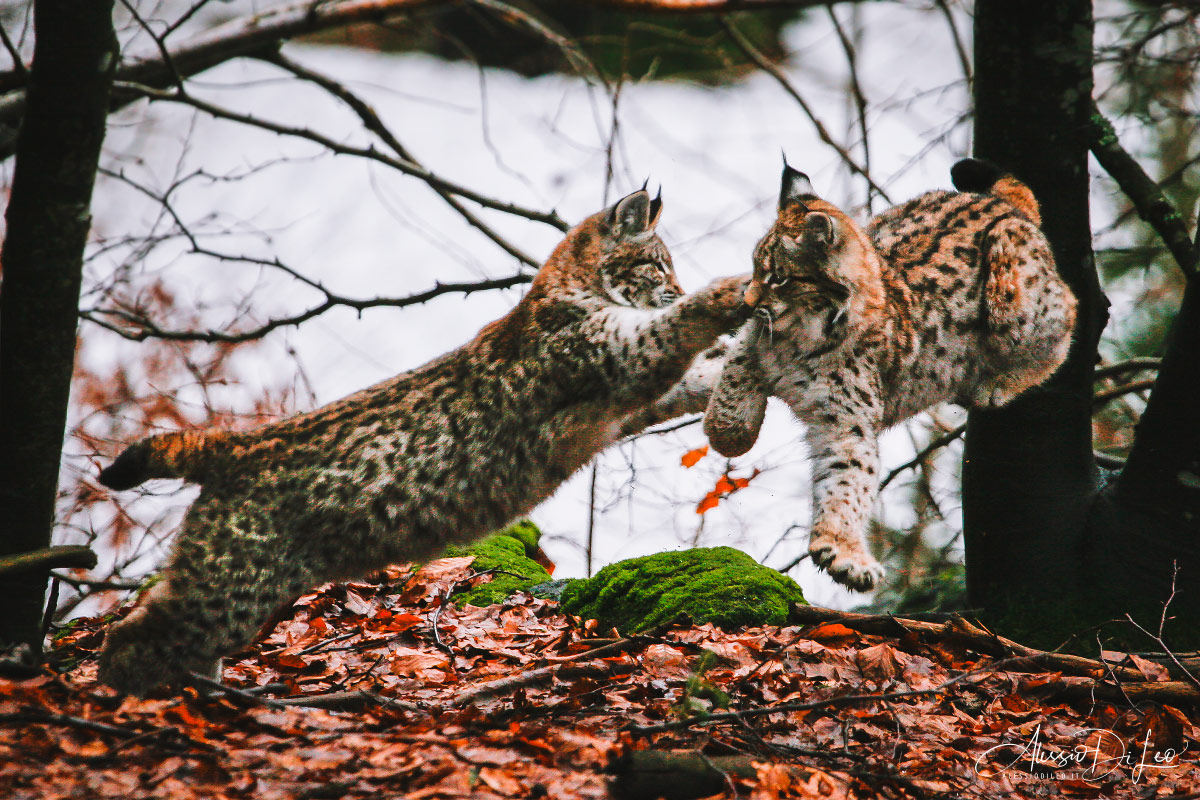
385,690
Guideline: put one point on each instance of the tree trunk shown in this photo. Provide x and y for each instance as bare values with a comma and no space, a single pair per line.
1145,525
48,219
1044,530
1028,472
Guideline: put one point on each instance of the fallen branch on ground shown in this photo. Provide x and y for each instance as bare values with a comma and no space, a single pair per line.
69,556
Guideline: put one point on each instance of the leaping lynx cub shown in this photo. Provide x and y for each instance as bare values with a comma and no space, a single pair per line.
949,297
442,454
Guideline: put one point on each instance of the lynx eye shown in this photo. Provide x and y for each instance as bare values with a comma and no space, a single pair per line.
775,281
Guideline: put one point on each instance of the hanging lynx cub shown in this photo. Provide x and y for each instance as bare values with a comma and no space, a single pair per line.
443,454
949,297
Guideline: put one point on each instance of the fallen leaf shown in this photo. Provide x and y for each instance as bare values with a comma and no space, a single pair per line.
691,457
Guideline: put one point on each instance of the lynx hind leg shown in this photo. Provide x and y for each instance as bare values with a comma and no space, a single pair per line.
226,574
845,485
1029,314
739,402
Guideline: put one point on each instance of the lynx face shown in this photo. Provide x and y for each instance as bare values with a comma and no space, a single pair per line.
635,268
811,258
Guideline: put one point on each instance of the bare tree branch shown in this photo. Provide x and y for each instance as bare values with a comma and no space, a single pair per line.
139,328
960,48
407,167
239,37
934,444
524,18
1101,398
703,6
373,123
48,558
1130,365
1151,204
860,98
763,63
19,68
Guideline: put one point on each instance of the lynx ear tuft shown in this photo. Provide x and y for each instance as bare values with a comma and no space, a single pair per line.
656,207
631,215
795,188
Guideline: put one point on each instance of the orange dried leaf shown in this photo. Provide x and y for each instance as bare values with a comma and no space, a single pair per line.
833,633
691,457
709,502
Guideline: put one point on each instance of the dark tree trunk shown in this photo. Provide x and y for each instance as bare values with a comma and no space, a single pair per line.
1028,472
1145,525
1045,530
48,219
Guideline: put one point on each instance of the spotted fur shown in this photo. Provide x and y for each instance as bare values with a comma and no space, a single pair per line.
440,455
948,297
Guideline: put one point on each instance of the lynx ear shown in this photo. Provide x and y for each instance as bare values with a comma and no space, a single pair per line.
794,188
631,215
739,403
819,227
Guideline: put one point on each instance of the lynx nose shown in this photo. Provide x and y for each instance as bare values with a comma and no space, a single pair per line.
754,293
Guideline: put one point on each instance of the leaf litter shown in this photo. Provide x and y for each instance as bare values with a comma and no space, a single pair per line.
355,695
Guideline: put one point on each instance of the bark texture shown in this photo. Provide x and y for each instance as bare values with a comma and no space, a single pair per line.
1046,529
1028,471
48,219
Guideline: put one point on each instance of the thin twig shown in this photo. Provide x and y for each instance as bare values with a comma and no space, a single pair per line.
1162,623
372,122
51,718
849,699
148,329
233,692
525,18
860,98
18,65
96,584
964,60
934,444
1100,398
763,63
168,61
370,153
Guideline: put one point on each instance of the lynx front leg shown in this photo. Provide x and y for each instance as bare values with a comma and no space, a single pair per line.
688,396
739,403
653,349
845,485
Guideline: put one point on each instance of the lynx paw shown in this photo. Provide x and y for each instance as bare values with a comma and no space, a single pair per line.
852,567
992,395
142,652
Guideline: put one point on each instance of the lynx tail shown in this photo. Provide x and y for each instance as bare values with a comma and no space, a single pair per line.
165,455
984,177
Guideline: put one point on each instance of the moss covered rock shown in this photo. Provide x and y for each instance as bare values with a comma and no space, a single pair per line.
510,552
711,584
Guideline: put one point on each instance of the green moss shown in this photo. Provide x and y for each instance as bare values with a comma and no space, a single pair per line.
508,552
1103,134
526,533
714,584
